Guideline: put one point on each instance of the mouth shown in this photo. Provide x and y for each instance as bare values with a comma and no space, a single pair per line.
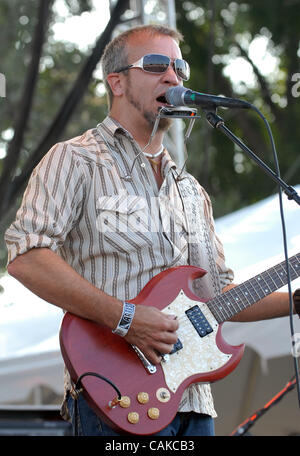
162,100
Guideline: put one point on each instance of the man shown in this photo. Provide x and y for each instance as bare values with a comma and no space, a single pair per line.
60,247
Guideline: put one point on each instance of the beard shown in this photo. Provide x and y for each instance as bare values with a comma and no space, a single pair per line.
149,116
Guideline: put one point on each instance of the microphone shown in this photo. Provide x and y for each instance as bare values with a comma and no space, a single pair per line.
180,96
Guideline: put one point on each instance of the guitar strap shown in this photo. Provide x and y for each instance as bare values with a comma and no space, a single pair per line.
200,247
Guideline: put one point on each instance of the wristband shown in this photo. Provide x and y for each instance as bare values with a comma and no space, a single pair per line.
125,320
296,299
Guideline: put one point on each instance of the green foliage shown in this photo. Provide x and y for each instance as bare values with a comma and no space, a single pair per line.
215,34
59,66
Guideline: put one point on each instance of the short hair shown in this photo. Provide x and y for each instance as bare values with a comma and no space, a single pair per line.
115,54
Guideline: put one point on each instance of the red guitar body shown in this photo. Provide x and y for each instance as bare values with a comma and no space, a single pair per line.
90,347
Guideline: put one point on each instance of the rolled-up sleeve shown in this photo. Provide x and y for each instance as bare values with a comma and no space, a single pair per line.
51,204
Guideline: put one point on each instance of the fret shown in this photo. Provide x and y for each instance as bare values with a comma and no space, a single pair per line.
244,293
266,284
279,277
271,281
215,311
281,272
255,290
219,310
253,293
293,272
257,283
248,286
228,304
213,306
238,296
231,302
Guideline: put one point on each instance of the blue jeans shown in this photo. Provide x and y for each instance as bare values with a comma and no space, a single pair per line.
184,424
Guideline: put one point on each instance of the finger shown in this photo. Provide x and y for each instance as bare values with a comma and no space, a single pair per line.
172,325
165,349
154,353
168,337
153,356
172,317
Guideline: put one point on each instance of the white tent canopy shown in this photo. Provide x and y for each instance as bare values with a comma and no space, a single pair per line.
29,346
253,242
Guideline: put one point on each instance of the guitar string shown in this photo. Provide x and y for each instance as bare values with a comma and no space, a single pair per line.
261,286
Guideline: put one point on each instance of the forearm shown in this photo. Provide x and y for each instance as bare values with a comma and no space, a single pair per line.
274,305
52,279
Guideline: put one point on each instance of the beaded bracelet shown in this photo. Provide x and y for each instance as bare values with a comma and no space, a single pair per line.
125,320
296,299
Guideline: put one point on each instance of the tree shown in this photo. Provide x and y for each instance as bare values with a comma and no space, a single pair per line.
18,163
215,33
49,83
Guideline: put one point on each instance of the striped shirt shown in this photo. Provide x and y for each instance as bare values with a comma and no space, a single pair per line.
94,201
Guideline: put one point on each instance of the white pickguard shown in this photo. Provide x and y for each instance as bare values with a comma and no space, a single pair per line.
199,354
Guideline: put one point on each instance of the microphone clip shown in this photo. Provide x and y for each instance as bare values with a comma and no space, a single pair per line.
213,119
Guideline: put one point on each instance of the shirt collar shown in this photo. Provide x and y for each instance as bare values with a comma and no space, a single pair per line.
168,163
110,128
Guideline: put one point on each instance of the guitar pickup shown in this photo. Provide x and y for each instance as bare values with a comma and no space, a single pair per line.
176,347
198,320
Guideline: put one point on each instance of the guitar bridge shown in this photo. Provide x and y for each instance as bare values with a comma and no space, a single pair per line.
148,366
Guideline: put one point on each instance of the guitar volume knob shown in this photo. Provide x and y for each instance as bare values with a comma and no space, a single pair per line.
153,413
133,417
124,402
143,398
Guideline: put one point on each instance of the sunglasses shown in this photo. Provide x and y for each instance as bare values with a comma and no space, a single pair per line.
159,63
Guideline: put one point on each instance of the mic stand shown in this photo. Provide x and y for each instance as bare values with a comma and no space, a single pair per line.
217,122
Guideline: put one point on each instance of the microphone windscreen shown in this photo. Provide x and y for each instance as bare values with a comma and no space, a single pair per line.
174,95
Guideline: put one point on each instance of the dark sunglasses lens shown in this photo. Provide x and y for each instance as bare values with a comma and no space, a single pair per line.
182,69
156,63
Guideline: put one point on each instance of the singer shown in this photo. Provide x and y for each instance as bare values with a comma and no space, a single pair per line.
82,238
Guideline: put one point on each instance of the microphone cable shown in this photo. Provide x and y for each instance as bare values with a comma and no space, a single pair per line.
254,108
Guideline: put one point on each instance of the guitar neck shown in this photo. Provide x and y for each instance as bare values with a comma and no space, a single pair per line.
228,304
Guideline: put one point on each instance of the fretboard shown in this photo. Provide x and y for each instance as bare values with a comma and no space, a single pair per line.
228,304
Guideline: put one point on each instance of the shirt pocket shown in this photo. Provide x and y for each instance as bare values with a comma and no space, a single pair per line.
124,223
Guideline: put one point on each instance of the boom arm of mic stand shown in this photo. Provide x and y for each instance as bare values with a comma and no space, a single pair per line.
217,122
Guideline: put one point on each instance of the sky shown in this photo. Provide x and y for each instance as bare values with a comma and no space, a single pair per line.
93,22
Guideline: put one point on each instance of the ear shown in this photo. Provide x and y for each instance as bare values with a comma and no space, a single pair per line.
116,83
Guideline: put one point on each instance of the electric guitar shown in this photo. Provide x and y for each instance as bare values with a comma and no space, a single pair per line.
149,395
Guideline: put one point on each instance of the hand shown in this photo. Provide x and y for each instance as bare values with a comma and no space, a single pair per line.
153,332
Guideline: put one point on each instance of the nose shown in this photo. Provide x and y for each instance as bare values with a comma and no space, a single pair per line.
170,76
